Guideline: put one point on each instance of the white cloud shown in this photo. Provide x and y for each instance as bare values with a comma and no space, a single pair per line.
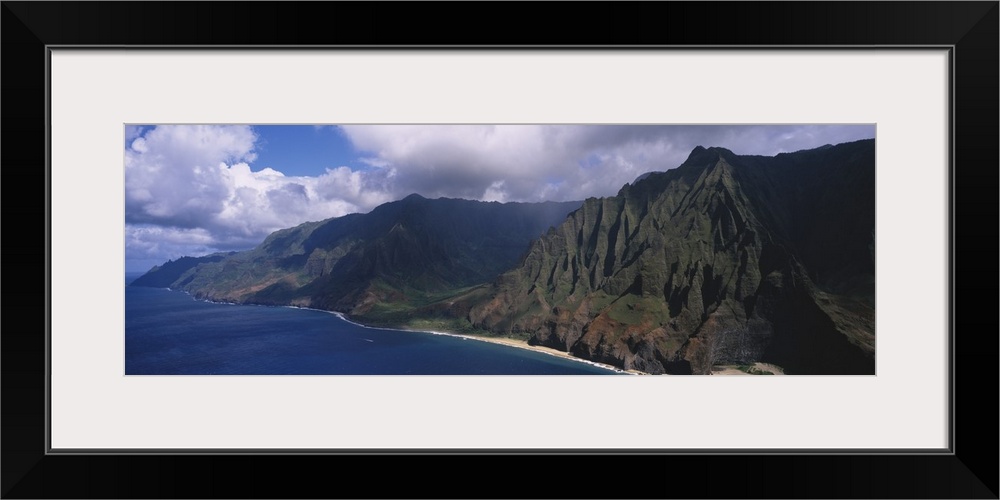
189,190
149,245
374,162
561,162
534,162
495,192
131,132
196,183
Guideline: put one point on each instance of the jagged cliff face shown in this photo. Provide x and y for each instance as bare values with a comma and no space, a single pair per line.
726,259
400,251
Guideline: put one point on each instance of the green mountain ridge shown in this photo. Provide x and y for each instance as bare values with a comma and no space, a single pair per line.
169,272
724,260
413,249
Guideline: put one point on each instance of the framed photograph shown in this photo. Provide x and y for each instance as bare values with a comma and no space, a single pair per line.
910,112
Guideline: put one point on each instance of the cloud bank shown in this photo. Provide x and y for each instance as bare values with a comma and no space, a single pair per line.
190,190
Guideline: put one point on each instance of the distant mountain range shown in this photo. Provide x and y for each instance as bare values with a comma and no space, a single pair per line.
401,253
724,260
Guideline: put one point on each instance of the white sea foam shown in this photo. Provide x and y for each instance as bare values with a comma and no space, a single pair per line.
343,317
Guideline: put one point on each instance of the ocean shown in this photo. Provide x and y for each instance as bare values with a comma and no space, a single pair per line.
169,332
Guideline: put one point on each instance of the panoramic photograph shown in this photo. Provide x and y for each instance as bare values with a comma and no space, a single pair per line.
499,249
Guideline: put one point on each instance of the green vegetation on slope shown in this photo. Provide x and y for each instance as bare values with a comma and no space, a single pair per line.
384,265
725,260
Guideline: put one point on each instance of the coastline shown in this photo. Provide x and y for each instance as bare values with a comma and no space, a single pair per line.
762,368
523,344
506,341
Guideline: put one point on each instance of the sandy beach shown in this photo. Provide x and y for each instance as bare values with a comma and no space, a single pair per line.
523,344
520,344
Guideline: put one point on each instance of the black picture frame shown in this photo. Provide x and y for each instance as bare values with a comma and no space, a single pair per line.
969,28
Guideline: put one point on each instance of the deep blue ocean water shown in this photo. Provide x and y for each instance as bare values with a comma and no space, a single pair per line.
169,332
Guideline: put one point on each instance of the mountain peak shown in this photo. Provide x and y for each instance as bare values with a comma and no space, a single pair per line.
722,261
643,176
701,155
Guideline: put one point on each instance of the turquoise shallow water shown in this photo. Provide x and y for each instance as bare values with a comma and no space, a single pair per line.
169,332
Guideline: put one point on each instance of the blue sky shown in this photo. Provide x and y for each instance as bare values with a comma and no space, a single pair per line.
199,189
304,149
